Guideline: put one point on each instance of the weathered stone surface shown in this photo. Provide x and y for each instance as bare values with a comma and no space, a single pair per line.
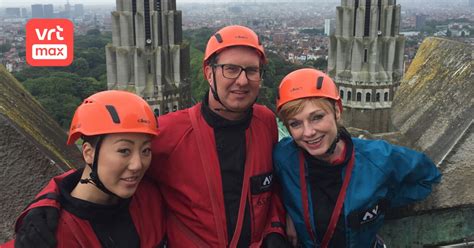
433,110
457,187
32,150
447,226
25,170
434,104
447,215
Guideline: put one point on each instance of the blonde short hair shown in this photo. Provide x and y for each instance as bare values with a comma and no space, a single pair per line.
290,109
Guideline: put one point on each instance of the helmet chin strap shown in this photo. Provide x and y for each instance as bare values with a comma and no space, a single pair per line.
94,176
216,97
332,148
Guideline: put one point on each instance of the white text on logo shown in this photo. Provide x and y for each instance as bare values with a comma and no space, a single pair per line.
49,33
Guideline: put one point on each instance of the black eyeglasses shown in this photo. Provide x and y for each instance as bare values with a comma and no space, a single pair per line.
231,71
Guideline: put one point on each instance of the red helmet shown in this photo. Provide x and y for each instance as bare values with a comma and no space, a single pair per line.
112,111
305,83
233,36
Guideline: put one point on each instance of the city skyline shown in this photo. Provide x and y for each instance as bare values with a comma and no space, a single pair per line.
25,3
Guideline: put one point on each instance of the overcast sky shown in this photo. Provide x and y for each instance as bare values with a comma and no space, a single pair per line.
15,3
19,3
23,3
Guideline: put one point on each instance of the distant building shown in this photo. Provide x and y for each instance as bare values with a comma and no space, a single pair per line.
420,21
441,33
48,11
459,29
148,55
37,11
410,33
67,10
366,61
329,27
78,10
278,38
12,12
24,13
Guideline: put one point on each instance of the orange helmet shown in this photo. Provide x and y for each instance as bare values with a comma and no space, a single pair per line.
112,111
305,83
233,36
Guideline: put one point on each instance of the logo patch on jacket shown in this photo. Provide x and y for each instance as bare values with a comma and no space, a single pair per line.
261,183
365,216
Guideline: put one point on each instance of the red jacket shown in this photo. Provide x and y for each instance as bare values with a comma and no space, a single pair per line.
9,244
186,166
146,212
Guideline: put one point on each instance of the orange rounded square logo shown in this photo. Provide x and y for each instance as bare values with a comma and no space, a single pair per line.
49,42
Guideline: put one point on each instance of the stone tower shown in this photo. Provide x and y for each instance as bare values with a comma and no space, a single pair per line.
147,55
366,61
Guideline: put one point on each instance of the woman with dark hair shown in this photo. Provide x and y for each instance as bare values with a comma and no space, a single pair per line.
106,203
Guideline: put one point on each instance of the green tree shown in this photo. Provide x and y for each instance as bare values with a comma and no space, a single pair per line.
92,39
5,47
198,40
93,32
198,37
199,85
31,72
98,72
61,107
276,69
93,55
61,89
61,92
80,67
56,95
319,63
91,49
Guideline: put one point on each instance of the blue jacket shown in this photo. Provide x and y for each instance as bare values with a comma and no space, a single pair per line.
384,175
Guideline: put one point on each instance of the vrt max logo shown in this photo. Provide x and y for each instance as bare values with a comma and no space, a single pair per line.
49,42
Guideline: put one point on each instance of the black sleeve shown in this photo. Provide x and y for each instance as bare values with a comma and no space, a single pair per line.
275,240
38,228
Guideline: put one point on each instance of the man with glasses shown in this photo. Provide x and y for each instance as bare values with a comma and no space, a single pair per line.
213,161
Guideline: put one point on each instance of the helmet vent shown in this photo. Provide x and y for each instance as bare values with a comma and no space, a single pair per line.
319,84
218,37
113,113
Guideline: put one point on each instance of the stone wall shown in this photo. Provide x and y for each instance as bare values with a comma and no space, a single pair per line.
32,150
25,170
434,104
433,110
447,216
